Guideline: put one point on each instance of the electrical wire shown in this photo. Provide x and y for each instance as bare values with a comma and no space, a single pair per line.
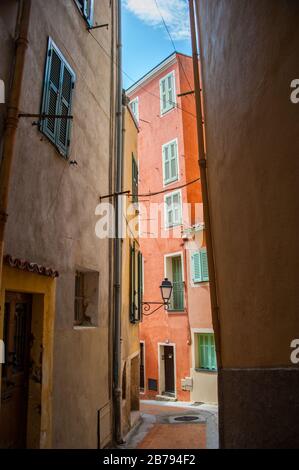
173,43
156,193
134,81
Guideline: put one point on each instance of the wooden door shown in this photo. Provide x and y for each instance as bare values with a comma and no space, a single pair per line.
169,369
14,380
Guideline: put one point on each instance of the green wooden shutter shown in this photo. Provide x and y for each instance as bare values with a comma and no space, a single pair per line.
207,353
57,99
134,180
173,161
140,285
196,267
177,208
166,164
178,286
169,211
204,265
132,284
163,96
50,103
63,127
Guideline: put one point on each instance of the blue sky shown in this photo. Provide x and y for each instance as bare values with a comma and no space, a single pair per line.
145,39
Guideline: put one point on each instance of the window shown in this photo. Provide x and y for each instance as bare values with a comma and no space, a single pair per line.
173,210
134,180
86,8
206,351
167,93
86,298
199,263
174,272
59,83
134,104
170,162
136,284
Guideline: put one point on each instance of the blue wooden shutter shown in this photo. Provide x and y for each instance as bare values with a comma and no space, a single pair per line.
64,125
196,267
204,265
57,99
51,92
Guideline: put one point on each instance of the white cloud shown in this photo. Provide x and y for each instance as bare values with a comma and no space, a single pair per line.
175,14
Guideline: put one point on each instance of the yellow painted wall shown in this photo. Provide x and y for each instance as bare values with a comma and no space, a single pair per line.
130,332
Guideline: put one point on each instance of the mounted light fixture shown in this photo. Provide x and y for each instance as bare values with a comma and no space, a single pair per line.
166,291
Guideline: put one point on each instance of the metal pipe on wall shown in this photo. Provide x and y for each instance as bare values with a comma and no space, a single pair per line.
117,391
12,119
204,180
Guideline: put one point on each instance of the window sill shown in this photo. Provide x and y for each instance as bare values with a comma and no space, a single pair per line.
80,328
164,113
181,311
168,183
207,371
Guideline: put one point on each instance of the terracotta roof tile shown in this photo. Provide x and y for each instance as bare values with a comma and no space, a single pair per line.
30,267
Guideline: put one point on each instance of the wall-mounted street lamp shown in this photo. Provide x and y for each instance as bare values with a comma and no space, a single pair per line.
166,291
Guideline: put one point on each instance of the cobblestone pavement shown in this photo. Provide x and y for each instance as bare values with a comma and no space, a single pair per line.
174,426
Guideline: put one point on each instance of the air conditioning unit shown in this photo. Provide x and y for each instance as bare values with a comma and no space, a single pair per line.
187,384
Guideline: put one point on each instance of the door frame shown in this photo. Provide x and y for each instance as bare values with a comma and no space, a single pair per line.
161,368
43,291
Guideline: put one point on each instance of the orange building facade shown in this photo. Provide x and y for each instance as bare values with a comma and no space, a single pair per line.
177,346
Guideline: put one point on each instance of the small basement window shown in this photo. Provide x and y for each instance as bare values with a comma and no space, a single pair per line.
86,298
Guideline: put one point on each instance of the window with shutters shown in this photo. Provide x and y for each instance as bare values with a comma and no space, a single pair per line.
86,8
173,209
59,84
170,162
174,272
136,284
134,104
199,265
134,180
206,352
167,93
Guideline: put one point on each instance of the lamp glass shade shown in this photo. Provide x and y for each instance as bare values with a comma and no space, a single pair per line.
166,290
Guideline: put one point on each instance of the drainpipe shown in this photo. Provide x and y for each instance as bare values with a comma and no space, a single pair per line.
117,391
203,178
12,119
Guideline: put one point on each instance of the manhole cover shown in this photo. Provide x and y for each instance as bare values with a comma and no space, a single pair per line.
186,418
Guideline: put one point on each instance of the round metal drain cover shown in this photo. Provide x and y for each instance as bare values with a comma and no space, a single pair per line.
186,418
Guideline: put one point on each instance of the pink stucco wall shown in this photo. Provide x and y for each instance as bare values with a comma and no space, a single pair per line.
156,130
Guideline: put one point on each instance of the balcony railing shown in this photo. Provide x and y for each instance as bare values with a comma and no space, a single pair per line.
177,298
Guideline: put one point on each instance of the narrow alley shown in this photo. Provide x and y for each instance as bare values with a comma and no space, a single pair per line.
177,425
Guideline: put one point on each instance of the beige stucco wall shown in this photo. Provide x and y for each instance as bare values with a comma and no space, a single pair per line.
250,57
252,141
129,331
52,208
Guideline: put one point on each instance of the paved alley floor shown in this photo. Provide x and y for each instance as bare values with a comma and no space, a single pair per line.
174,425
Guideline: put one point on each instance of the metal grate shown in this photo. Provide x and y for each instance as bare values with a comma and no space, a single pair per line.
186,419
